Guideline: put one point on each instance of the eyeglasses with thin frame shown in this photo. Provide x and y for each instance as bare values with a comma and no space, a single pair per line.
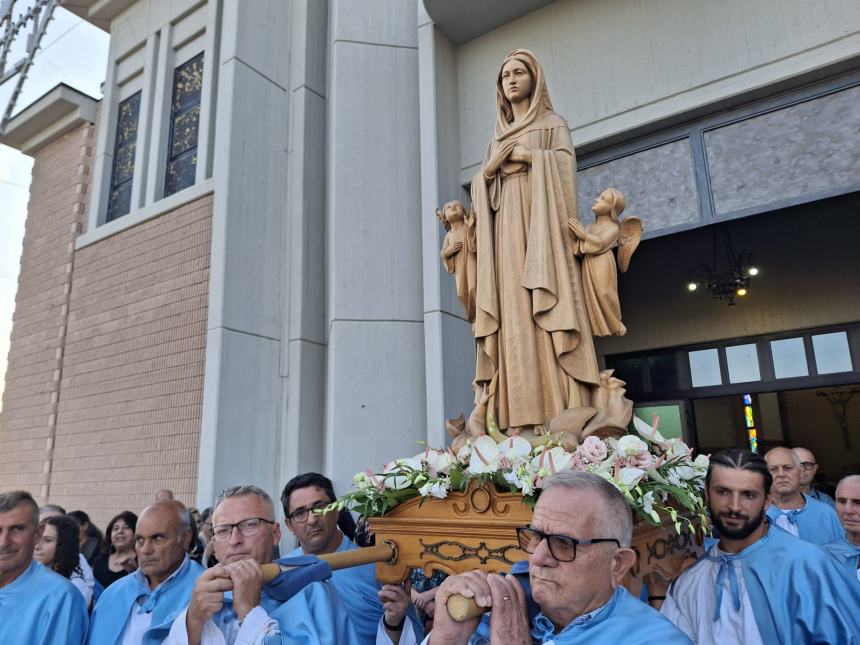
300,515
247,528
561,547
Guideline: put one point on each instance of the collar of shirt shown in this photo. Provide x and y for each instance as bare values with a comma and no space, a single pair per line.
148,597
544,630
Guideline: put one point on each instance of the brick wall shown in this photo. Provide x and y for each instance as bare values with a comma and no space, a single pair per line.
132,382
104,386
56,215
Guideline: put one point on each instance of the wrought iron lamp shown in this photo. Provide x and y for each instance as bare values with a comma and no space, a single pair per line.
726,284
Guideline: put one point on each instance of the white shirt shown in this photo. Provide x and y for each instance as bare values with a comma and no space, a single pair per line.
783,522
692,600
139,621
84,580
256,626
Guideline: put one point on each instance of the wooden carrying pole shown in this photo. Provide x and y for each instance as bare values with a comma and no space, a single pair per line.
459,607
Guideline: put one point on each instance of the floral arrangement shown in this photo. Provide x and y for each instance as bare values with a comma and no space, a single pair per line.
658,476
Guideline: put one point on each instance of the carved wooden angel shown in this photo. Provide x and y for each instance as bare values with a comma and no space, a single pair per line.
459,252
599,275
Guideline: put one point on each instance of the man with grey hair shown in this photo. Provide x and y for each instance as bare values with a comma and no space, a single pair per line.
847,549
793,511
579,552
37,605
141,607
230,603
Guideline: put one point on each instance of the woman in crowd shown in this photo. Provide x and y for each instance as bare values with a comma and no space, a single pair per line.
91,537
58,550
117,558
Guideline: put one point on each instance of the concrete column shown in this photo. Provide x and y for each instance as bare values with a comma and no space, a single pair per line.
240,438
448,343
376,402
303,357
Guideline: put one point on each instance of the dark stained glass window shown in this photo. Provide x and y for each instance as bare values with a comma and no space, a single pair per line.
122,172
184,126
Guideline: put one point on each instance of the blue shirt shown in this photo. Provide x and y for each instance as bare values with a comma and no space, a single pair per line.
41,607
165,602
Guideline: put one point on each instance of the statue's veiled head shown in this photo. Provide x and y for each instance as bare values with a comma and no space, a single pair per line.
520,78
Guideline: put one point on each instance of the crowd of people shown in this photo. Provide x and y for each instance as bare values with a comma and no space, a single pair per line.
783,567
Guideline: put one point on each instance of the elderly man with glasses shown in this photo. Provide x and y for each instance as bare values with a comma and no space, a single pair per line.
230,604
579,552
808,470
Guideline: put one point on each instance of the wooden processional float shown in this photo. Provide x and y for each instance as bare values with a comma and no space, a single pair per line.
476,529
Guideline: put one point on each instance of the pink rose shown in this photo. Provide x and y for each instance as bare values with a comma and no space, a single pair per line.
593,450
640,460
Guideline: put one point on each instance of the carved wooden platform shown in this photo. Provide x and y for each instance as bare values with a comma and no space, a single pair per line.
475,529
471,530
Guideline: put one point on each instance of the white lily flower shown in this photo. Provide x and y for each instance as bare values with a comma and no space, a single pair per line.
647,501
552,461
630,476
489,456
648,432
436,489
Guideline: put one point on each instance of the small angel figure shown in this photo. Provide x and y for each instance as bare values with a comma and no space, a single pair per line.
459,252
599,275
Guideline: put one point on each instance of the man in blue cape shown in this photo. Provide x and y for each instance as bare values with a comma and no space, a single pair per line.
791,510
36,605
141,607
380,613
846,550
760,584
579,551
230,604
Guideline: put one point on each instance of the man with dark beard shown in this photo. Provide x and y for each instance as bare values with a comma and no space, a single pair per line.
759,584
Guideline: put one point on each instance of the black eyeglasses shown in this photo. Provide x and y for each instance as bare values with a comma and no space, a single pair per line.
561,547
808,465
300,515
247,528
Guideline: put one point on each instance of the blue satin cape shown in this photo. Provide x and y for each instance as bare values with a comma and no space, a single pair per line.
816,521
798,593
845,553
359,591
41,607
623,619
166,601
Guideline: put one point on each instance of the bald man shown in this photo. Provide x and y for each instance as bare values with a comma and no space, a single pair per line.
847,549
808,470
793,511
140,608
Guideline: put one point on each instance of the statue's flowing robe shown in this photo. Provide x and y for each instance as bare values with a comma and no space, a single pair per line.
534,342
43,608
796,593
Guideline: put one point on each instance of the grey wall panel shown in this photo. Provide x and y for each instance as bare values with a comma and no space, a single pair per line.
659,185
800,150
